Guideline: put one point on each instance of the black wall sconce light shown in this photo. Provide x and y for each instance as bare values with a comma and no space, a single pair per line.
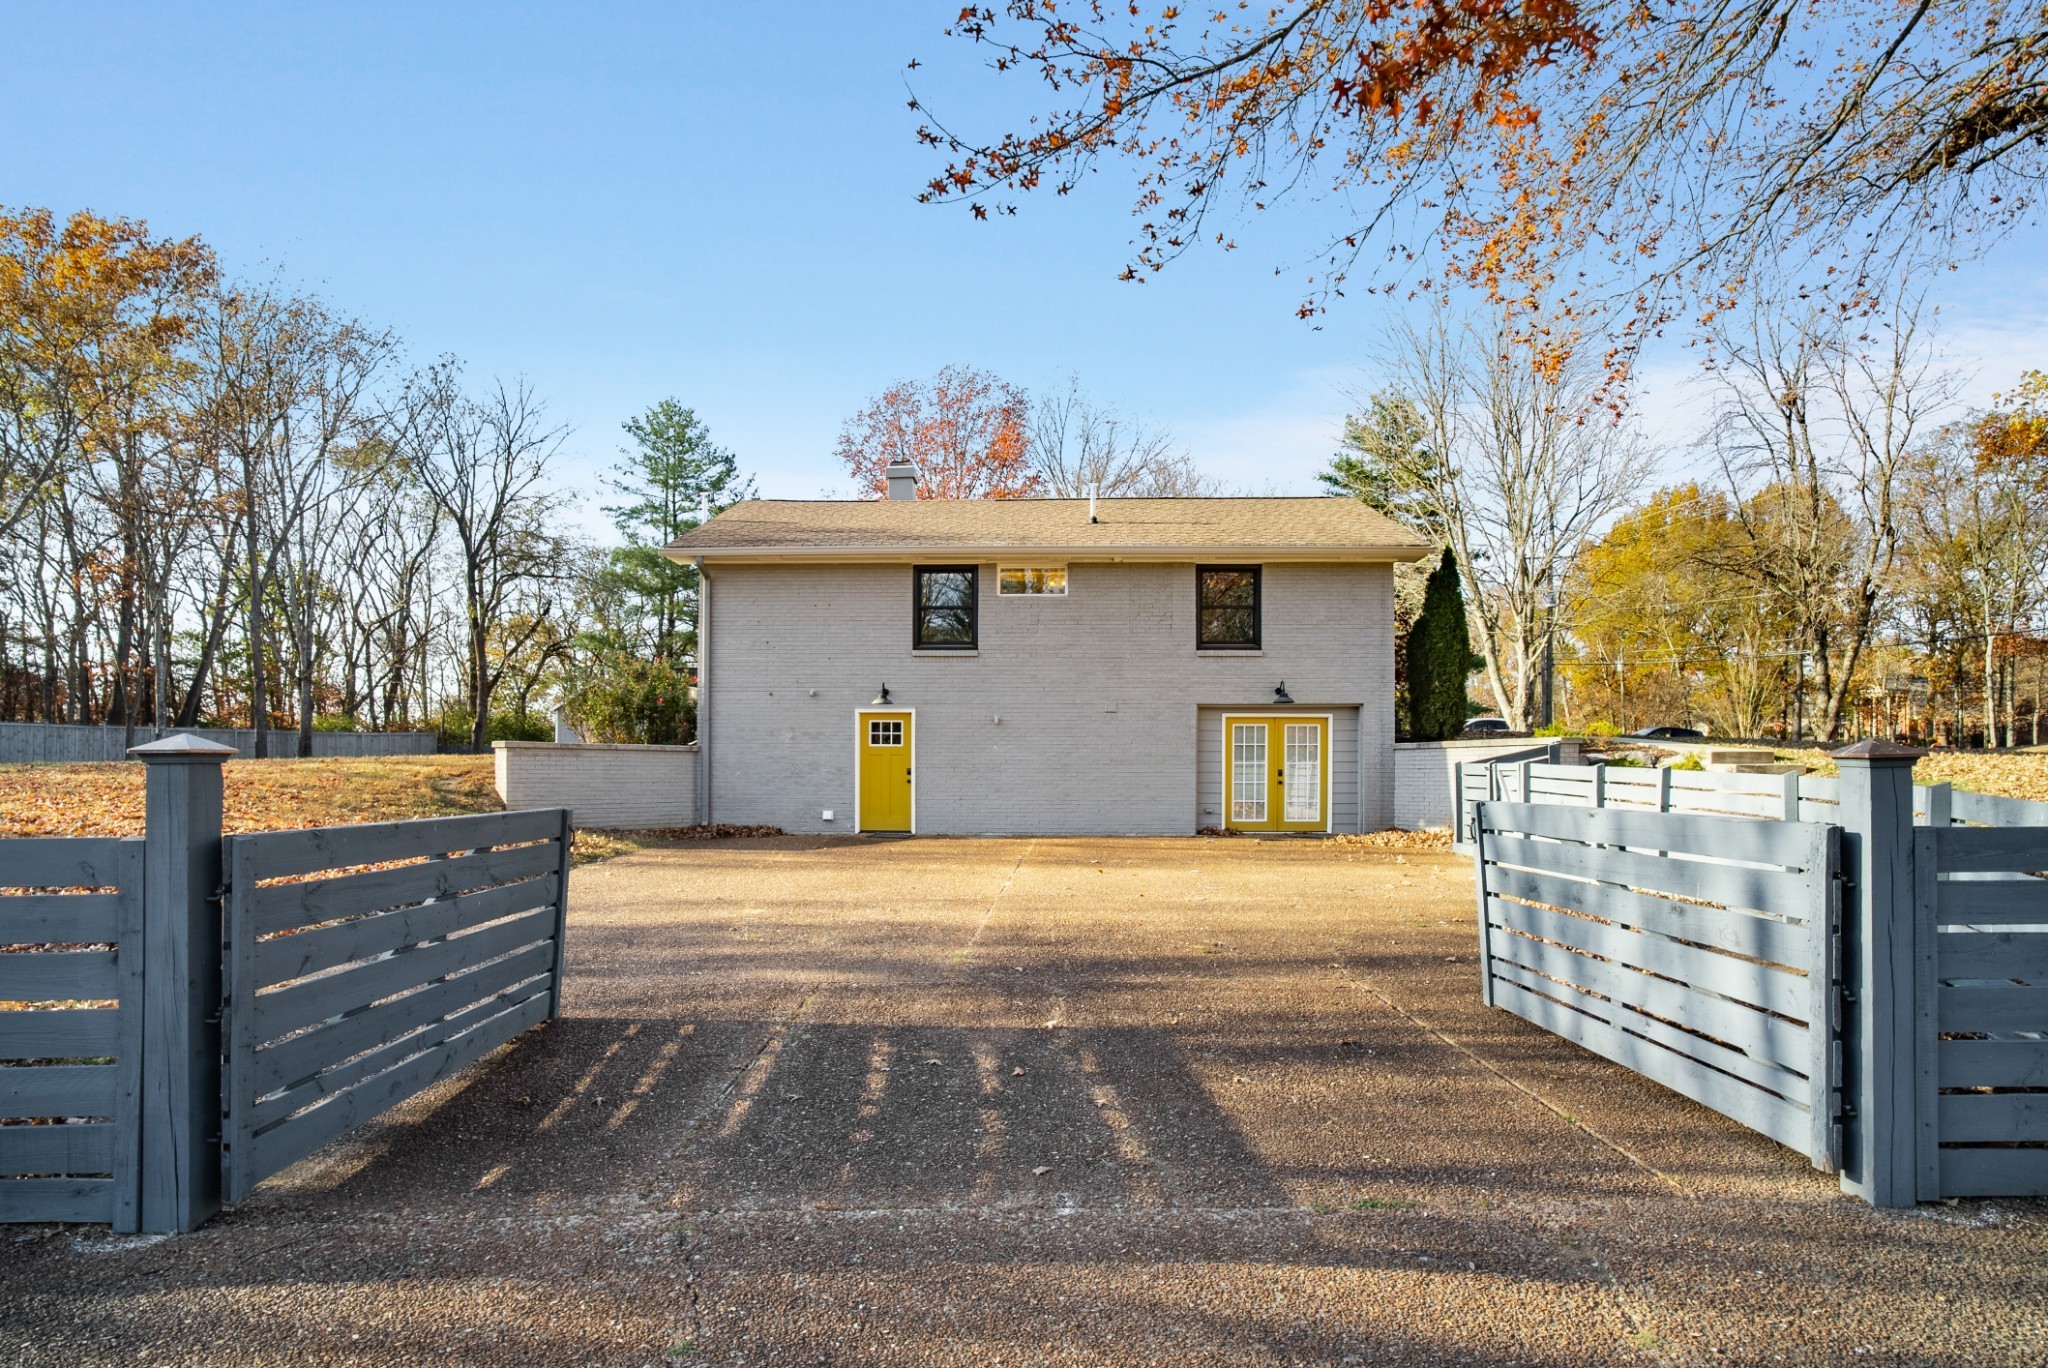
1280,694
882,698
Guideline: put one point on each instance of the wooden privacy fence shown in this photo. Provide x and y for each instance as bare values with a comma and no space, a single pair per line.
71,1054
1696,950
1693,946
1790,797
182,1015
348,994
60,742
1981,1053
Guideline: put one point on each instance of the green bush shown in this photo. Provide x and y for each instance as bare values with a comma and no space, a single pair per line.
340,723
622,698
452,727
1690,763
1594,728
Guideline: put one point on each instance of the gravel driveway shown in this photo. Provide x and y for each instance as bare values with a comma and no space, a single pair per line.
1056,1101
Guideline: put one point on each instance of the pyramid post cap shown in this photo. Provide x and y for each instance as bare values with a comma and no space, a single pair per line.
183,746
1877,749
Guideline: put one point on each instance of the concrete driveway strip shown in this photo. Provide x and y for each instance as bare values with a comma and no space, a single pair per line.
1041,1102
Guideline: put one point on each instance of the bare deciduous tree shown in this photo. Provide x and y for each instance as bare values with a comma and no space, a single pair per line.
484,465
1818,418
1078,446
1511,464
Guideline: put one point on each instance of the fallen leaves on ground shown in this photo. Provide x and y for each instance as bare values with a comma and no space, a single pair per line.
1395,839
106,799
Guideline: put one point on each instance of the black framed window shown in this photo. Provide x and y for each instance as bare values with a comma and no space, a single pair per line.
1227,607
945,600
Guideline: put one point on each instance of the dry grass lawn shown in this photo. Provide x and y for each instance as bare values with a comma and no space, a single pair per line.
2009,774
262,795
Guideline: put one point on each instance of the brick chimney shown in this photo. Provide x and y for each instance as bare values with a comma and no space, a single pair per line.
902,476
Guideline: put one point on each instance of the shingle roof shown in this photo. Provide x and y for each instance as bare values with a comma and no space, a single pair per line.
875,529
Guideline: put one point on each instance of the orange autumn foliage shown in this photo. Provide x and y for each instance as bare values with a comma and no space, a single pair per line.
964,429
1607,159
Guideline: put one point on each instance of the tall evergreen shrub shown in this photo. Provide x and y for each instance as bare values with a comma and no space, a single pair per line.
1439,660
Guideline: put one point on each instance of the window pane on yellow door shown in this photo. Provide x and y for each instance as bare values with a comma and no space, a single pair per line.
1304,771
1248,772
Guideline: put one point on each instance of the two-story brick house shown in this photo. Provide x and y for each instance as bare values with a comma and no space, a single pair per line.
1047,666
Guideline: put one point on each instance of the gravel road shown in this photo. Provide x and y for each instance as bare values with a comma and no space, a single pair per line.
1191,1101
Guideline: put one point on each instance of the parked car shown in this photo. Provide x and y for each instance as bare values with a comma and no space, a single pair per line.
1485,726
1669,734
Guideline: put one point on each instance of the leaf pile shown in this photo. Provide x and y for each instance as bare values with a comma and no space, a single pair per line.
1394,838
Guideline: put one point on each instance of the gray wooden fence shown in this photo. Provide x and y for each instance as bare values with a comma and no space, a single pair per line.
1791,797
71,1054
157,1050
40,742
350,993
1942,1024
1696,950
1981,1053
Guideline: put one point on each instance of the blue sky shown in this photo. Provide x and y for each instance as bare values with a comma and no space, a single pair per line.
626,202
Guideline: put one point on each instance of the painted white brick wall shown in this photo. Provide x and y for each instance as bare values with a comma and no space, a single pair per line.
1425,771
619,787
1077,715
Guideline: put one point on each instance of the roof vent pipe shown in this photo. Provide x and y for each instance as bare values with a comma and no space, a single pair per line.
1093,490
902,477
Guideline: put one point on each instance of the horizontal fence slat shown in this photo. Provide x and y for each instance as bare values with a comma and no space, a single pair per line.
1730,885
1992,954
1991,1063
300,1136
73,1033
1993,1116
1774,990
290,1062
1789,845
1761,1072
71,862
59,1090
342,1077
283,907
1994,1172
315,1000
57,976
1744,933
1782,1121
1996,810
48,918
56,1199
57,1150
2017,901
288,957
281,853
1964,850
1754,1033
1994,1007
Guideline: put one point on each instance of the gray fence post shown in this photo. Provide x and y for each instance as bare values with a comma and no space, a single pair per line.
1940,806
1880,967
181,1002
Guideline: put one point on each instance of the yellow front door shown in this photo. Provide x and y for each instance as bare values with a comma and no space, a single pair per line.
1276,770
885,776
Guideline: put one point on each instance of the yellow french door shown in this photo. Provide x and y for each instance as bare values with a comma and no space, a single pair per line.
1276,770
884,752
